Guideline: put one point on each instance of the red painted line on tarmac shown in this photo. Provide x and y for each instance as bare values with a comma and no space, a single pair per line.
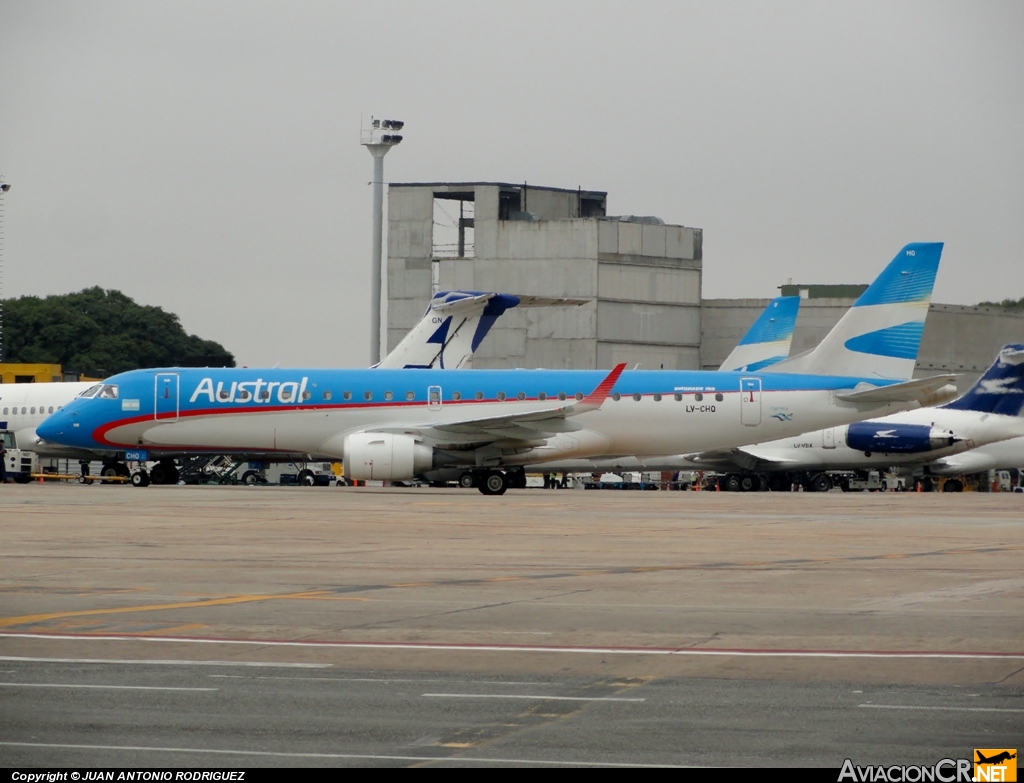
616,650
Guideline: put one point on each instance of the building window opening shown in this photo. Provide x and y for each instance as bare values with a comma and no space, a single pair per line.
454,215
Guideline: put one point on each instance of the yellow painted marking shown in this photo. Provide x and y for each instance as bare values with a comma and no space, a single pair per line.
335,598
236,599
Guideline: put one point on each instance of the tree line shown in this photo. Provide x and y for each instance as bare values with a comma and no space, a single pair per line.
1009,304
99,332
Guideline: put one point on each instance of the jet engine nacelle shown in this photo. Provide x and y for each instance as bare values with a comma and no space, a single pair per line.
880,437
387,456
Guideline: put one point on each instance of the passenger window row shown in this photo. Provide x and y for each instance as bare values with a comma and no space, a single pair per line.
27,410
455,396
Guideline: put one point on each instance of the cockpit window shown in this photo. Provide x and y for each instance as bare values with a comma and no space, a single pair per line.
108,391
91,391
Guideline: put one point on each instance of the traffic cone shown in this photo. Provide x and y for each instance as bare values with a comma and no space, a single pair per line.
919,486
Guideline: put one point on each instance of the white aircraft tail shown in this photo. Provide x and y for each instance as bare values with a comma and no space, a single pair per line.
454,325
768,339
880,335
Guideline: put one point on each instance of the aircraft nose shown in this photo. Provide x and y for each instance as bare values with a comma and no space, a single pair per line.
54,428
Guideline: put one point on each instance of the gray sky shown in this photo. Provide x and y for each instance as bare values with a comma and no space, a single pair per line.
204,156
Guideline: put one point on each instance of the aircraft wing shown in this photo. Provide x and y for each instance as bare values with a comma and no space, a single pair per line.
527,426
927,391
723,460
472,301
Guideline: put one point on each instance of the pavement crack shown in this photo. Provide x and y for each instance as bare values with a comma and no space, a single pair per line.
465,609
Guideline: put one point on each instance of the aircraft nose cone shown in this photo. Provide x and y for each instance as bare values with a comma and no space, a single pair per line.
52,428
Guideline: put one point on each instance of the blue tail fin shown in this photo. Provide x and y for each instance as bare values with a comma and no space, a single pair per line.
768,340
1000,389
880,335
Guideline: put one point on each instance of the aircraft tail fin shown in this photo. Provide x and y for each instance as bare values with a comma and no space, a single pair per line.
880,335
454,325
1000,389
768,339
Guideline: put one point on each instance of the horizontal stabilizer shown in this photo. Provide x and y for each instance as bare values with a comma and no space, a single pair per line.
454,325
926,391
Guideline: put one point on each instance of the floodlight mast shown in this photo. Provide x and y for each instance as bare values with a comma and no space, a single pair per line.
378,139
4,187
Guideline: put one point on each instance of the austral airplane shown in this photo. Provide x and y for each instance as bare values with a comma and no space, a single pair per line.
451,329
396,424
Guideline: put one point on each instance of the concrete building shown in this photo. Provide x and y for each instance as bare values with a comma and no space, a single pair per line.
642,277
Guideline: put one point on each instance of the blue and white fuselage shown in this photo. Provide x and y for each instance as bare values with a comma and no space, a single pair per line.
484,418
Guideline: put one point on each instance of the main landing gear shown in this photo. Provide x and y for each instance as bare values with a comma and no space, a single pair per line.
163,472
493,482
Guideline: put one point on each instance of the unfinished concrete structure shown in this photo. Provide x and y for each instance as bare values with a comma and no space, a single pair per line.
641,277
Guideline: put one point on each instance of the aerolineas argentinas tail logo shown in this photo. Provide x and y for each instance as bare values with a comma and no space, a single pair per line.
259,391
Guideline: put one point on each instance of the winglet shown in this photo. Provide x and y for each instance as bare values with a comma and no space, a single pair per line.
596,398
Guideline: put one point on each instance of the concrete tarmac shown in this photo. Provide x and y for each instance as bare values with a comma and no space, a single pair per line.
551,626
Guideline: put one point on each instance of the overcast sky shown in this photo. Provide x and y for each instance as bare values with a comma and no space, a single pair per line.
204,156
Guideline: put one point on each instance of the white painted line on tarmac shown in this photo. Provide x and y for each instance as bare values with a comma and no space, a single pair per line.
355,756
385,680
144,662
523,696
937,709
98,687
514,648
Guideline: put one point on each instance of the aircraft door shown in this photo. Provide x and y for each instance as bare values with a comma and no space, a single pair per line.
434,398
750,401
828,438
166,393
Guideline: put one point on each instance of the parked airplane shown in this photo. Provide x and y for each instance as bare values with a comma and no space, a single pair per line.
395,424
451,329
989,412
24,406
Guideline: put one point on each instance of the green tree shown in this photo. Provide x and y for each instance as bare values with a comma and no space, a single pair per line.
102,332
1009,304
